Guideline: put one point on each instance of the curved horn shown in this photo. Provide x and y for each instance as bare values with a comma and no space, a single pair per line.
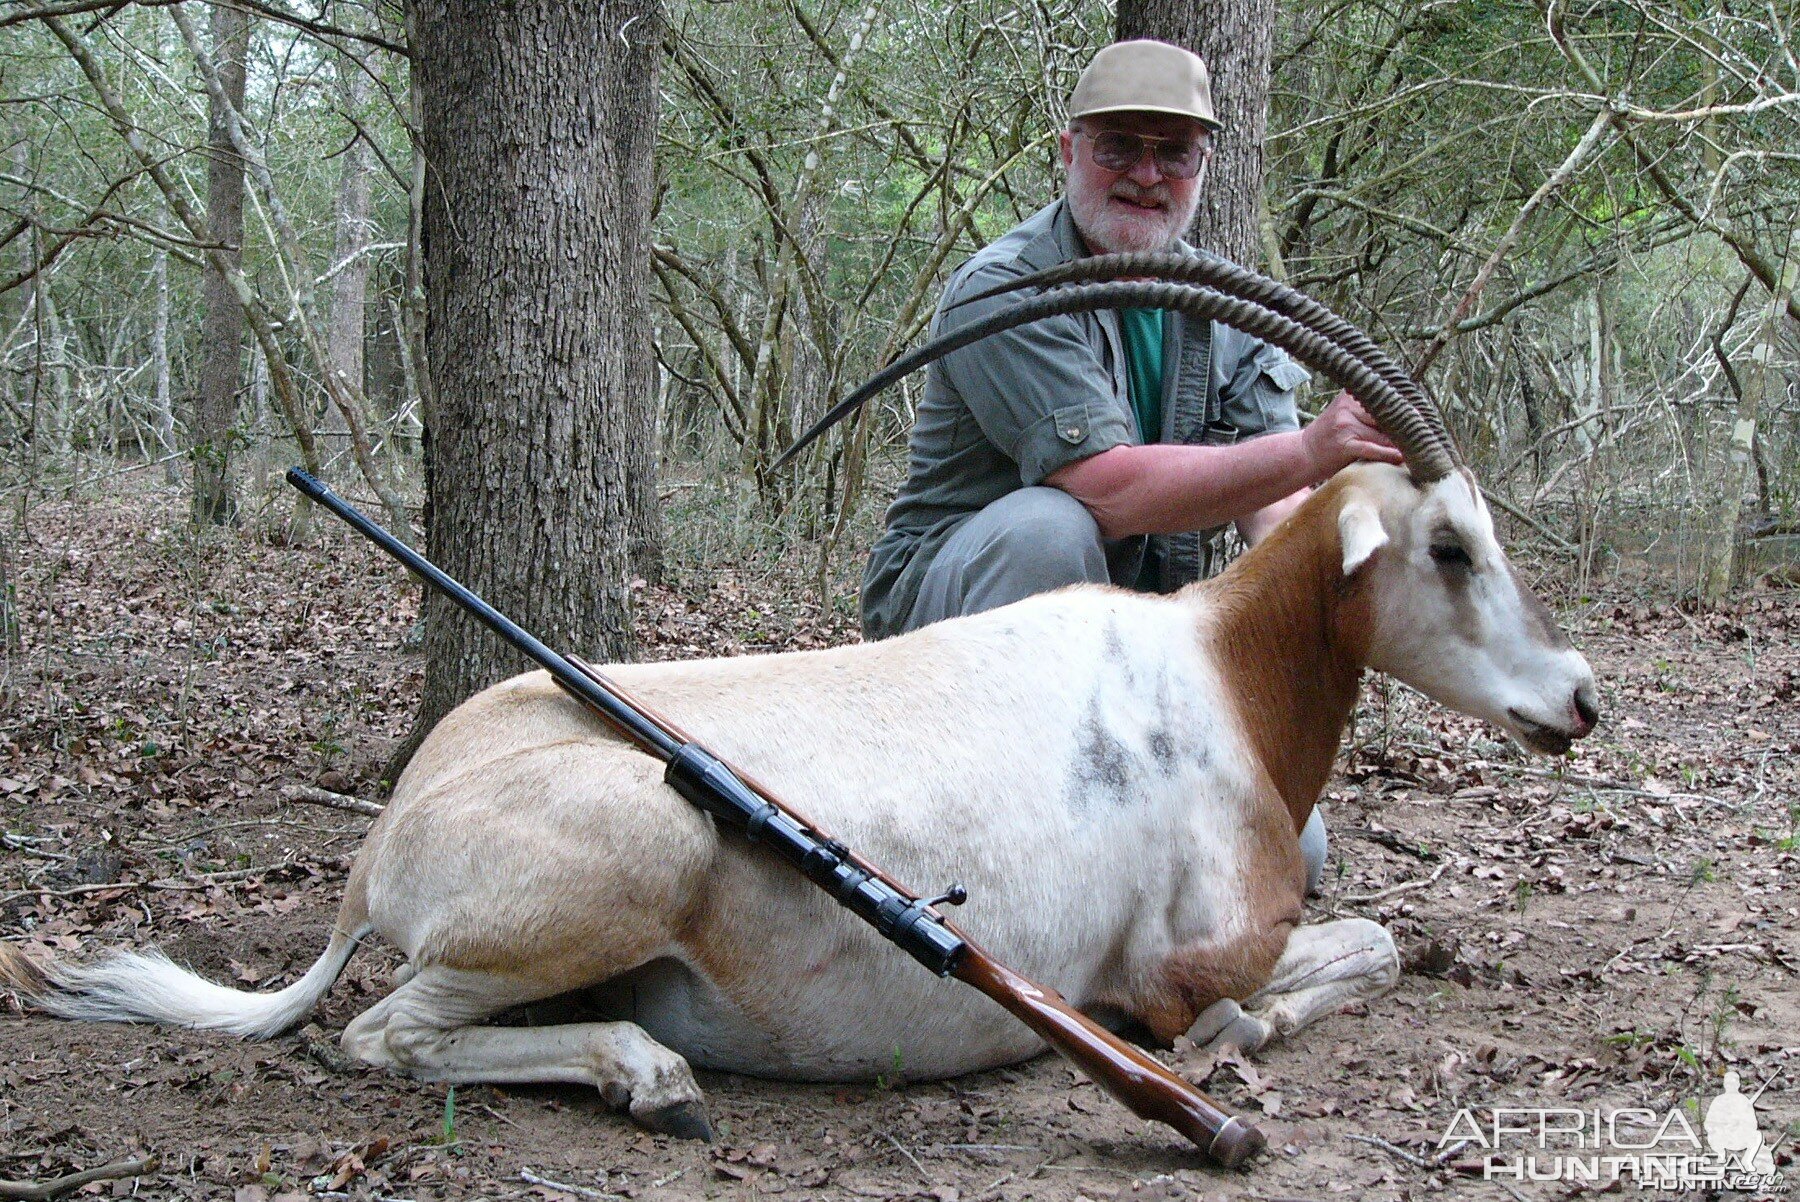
1428,452
1224,276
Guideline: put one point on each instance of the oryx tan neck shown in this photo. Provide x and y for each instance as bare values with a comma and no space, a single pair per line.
1291,634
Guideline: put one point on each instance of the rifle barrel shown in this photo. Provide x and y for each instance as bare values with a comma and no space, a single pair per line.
633,725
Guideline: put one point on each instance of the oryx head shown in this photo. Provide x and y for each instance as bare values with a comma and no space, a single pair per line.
1449,615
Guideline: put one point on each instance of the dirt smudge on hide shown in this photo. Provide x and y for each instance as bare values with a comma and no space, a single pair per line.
1112,765
1162,750
1114,656
1103,765
1161,740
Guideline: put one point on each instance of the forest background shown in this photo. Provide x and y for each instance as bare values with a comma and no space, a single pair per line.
1580,218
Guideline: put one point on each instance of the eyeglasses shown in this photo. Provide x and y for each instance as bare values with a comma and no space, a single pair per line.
1175,159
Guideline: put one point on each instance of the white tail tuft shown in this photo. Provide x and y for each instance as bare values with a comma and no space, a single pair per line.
150,987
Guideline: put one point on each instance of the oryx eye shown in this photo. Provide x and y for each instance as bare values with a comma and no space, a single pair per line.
1450,555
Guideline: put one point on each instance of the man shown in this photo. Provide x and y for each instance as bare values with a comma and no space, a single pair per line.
1101,447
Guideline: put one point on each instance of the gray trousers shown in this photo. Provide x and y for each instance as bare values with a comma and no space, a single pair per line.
1029,542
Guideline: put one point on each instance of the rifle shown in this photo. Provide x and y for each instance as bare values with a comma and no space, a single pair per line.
1144,1085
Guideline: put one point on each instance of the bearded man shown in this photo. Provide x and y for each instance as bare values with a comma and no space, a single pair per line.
1109,447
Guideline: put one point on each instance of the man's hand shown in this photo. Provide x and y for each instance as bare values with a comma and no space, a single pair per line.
1345,433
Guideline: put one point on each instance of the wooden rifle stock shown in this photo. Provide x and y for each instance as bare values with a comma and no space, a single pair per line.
1132,1076
1137,1079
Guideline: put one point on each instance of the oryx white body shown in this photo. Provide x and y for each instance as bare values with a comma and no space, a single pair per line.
1090,801
1117,779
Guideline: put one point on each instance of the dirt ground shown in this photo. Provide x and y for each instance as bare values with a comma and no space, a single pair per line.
1616,928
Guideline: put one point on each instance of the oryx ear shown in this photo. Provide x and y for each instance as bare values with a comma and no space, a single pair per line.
1359,526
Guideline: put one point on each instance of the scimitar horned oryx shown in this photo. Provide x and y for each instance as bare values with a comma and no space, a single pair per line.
1118,779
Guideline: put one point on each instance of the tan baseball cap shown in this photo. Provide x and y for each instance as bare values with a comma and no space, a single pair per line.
1145,76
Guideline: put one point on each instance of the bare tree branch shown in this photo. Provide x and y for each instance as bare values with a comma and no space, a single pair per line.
67,8
29,1191
1591,139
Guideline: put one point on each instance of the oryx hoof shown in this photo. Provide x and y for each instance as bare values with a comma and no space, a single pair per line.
1224,1024
683,1120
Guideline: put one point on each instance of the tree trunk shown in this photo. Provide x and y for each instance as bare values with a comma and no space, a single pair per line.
212,431
409,414
296,276
1736,461
9,606
350,286
1234,37
412,298
227,266
770,417
159,353
50,363
538,119
1588,433
261,421
38,313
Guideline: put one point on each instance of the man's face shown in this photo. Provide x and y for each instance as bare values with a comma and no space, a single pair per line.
1138,208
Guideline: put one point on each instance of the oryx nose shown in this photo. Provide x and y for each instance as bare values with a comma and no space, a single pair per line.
1587,711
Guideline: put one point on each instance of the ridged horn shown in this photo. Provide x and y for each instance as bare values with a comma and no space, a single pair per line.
1222,275
1428,452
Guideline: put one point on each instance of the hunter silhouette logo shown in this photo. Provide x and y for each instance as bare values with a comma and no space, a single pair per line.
1732,1130
1625,1145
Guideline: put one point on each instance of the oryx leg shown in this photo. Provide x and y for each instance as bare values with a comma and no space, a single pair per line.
426,1029
1324,967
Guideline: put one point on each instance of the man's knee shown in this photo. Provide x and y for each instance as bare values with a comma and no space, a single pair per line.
1042,525
1030,541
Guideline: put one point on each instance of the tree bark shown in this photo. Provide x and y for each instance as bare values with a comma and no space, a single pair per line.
1719,565
1234,37
51,386
159,353
538,120
9,607
350,286
212,432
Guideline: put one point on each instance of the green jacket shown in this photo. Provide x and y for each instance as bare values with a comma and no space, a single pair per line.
1011,409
